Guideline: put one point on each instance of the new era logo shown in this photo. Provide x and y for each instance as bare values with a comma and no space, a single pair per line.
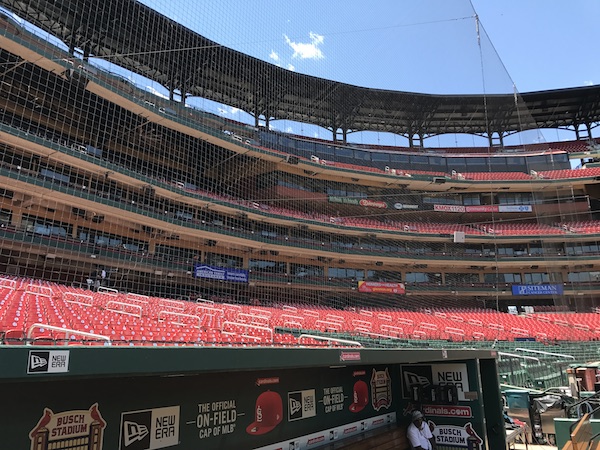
295,406
36,362
133,432
301,405
413,378
149,429
53,361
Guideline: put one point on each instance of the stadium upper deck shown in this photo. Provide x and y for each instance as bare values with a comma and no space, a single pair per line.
101,177
141,41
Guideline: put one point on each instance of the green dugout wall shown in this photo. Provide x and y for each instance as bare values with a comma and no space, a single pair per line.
130,398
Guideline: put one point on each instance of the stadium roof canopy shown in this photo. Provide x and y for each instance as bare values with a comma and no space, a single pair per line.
139,39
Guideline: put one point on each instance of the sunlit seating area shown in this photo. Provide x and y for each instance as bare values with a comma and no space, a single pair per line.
43,313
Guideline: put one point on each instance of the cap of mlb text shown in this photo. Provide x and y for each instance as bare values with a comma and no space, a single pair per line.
268,413
361,396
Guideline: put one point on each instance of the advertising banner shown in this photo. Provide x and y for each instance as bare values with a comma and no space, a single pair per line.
399,205
537,289
299,409
380,287
364,202
449,208
220,273
344,200
481,208
515,208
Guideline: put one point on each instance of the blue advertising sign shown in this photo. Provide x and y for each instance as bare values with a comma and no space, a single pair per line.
537,289
220,273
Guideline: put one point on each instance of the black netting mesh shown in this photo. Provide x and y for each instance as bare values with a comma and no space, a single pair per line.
154,149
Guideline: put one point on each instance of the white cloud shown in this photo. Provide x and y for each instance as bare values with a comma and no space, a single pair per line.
289,130
274,56
307,50
230,110
588,83
291,67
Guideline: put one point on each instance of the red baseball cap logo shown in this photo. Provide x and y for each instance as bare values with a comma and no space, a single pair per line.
361,396
268,413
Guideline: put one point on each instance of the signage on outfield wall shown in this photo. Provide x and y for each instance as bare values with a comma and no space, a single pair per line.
220,273
405,206
515,208
449,208
373,204
382,288
537,289
344,200
364,202
482,208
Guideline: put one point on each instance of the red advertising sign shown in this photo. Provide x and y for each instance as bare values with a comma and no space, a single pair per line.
481,208
373,204
449,208
382,288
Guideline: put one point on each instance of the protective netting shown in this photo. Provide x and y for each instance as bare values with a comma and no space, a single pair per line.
170,149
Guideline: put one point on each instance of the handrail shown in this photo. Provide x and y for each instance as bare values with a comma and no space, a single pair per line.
594,440
78,298
67,331
541,352
330,325
584,401
171,313
208,310
36,289
247,326
106,290
176,304
254,319
329,339
512,355
12,284
120,311
581,430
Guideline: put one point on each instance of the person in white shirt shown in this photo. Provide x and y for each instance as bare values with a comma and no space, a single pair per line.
419,434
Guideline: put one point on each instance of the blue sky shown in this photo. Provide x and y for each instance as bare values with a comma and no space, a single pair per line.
432,46
425,45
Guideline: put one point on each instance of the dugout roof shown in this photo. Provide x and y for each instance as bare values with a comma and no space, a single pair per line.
139,39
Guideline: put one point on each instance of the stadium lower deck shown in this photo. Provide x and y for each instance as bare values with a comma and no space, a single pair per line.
33,311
